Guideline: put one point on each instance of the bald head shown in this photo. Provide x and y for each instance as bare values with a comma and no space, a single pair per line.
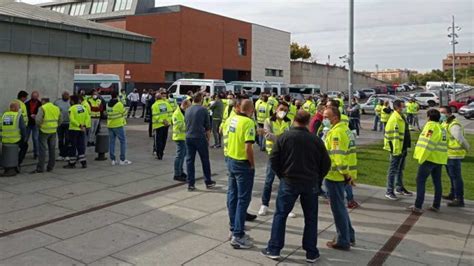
246,107
14,107
302,118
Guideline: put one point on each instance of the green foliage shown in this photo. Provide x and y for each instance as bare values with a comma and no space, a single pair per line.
465,76
297,51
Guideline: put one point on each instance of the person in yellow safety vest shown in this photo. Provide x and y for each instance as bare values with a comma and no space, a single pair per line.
458,147
21,99
123,97
378,113
232,109
385,113
397,140
179,137
273,128
340,99
161,119
228,108
431,152
292,108
241,166
173,102
79,119
273,101
411,108
309,106
262,113
116,122
47,119
336,104
13,131
95,105
343,172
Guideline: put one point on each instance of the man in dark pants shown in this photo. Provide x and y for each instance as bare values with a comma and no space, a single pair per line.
13,131
79,118
198,129
161,119
301,176
32,106
64,106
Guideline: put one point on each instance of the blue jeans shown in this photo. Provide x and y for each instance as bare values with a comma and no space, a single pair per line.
424,170
287,196
377,122
349,192
180,155
267,188
239,194
261,139
201,146
454,172
32,130
395,171
345,232
119,133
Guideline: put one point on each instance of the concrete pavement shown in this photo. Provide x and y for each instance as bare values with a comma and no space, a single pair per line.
99,220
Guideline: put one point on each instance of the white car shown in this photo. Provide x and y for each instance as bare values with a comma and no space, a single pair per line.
369,105
333,94
369,92
401,88
426,99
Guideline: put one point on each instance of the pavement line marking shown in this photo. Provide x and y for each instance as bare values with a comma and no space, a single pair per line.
96,208
381,256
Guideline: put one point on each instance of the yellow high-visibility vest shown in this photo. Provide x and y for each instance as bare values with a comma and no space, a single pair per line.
116,115
455,149
394,133
278,127
179,126
432,145
340,144
10,128
50,119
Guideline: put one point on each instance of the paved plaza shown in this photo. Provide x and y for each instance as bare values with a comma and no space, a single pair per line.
137,215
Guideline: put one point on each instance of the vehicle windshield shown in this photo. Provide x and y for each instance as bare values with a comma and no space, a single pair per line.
301,90
103,88
219,89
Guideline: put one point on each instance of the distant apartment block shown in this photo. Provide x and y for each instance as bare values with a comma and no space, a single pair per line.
462,60
401,75
189,43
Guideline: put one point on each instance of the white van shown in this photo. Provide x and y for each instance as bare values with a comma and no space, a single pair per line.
440,84
252,88
105,84
304,89
180,88
280,88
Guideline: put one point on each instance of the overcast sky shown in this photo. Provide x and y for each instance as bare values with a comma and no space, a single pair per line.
390,33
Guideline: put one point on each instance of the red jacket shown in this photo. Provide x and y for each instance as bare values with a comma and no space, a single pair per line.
315,123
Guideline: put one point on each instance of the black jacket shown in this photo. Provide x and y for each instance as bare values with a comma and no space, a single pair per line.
300,157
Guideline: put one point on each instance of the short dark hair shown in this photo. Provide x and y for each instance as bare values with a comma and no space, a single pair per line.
335,111
197,98
433,115
287,98
284,104
397,104
74,99
334,103
302,117
22,94
448,109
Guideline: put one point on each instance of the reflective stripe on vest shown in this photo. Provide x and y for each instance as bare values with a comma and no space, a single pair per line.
455,149
277,130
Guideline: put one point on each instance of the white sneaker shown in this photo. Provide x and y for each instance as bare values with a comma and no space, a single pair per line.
114,162
60,158
66,158
263,210
292,215
125,162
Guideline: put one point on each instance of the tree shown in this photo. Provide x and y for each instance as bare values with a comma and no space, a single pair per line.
297,51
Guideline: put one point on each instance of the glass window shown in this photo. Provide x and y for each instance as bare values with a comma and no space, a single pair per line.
99,6
172,89
242,47
273,72
123,5
77,9
59,9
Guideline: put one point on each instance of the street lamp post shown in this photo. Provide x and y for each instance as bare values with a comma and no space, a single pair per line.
351,49
453,35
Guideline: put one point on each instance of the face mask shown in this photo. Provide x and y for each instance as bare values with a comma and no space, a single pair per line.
443,118
326,122
281,114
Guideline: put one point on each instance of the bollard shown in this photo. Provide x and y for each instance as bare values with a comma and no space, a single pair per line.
101,146
9,158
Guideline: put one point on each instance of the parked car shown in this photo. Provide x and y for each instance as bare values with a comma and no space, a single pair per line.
457,104
369,105
335,94
369,92
401,88
467,111
426,99
359,94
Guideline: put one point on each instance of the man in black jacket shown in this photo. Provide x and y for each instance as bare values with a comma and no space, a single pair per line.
301,161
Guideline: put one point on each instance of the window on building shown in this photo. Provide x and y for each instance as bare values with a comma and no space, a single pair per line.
77,9
123,5
59,9
273,72
171,76
99,6
242,47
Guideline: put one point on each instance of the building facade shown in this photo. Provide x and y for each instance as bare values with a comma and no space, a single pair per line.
40,48
393,75
462,60
190,43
